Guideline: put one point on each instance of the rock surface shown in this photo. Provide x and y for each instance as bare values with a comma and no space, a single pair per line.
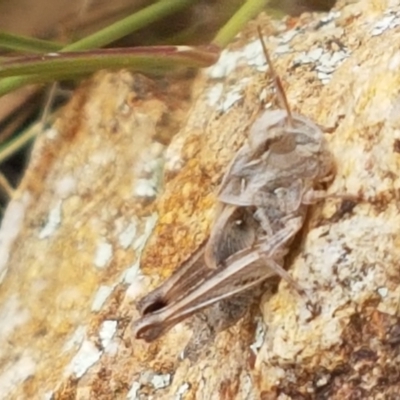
92,229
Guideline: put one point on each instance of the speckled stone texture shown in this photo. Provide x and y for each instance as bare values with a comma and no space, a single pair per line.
92,229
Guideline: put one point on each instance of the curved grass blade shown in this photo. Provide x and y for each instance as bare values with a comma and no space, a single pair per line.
129,24
248,11
59,65
105,36
25,44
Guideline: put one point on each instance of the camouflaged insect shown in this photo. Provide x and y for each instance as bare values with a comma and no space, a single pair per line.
263,199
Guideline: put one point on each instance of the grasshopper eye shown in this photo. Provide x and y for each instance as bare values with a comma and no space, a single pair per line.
156,306
286,144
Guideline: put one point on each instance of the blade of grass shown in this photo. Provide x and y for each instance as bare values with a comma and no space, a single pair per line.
5,186
9,129
18,43
248,11
18,141
129,24
105,36
153,58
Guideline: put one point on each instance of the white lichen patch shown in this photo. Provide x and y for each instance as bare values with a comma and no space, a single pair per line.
107,332
48,396
215,93
137,283
323,380
309,57
149,171
288,36
283,49
390,20
87,355
133,393
140,241
151,159
12,316
174,161
225,65
51,133
161,381
127,236
100,297
132,273
251,55
326,62
259,336
394,62
113,348
341,268
247,391
101,158
14,374
76,339
145,188
254,55
330,17
383,291
10,227
104,252
53,221
65,186
231,97
182,390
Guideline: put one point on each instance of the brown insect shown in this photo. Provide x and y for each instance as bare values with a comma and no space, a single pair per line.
263,199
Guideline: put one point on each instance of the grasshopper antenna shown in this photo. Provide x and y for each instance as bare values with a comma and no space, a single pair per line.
276,79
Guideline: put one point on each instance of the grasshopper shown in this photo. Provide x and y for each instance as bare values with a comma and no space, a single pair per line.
263,200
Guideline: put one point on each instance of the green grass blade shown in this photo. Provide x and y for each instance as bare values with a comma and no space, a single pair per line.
17,142
59,65
105,36
249,10
129,24
25,44
68,65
